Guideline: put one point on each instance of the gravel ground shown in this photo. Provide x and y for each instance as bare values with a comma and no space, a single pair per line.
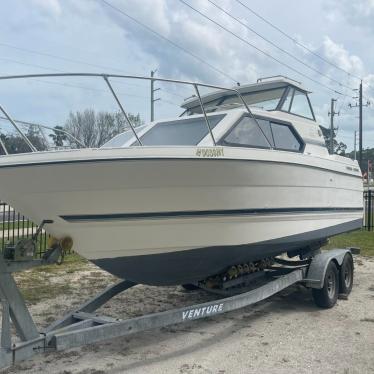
285,334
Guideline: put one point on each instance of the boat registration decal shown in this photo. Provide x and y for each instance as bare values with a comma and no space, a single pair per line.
202,312
209,152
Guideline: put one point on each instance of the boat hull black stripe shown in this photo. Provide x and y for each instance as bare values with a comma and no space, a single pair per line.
201,213
84,161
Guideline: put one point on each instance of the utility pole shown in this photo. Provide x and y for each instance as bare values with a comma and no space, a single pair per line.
360,106
360,126
332,114
355,141
153,100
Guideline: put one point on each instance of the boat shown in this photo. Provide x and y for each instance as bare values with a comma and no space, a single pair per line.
242,175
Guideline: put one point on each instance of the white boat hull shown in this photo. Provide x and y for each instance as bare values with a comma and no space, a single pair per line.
145,218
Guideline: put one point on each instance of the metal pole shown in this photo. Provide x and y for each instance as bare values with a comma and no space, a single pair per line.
355,141
49,128
360,126
44,137
152,97
3,146
33,149
369,202
332,114
253,117
203,110
153,100
370,171
122,109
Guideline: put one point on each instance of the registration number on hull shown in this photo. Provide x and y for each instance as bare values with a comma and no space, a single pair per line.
209,152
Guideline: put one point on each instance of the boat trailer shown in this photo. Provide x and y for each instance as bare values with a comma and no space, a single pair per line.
328,273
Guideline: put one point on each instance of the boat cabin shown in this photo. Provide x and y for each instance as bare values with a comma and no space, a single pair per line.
281,117
276,93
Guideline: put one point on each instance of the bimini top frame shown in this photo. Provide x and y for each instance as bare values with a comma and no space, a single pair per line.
106,78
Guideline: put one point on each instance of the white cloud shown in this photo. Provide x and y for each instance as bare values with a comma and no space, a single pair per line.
337,54
359,13
194,33
51,7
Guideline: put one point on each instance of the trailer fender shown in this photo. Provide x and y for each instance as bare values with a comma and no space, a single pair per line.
317,268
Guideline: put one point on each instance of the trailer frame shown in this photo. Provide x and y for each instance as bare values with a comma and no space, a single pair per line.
83,326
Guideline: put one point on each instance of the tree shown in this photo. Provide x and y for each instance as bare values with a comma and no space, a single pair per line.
339,148
58,137
94,129
15,143
367,155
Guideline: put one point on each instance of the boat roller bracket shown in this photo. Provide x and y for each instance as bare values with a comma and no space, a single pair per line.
83,326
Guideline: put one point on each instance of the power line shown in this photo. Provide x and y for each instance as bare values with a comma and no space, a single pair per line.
27,64
60,57
82,87
296,41
89,88
169,102
170,41
277,47
258,49
69,60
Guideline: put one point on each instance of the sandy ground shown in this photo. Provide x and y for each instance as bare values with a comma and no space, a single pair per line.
285,334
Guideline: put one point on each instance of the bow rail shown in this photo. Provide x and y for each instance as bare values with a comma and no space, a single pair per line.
106,78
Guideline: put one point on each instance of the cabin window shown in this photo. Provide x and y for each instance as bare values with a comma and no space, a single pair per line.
285,138
246,133
300,105
287,102
181,132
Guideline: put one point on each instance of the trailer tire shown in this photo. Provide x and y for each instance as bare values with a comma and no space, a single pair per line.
346,275
327,296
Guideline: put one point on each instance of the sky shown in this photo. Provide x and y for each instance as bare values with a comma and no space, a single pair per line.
97,36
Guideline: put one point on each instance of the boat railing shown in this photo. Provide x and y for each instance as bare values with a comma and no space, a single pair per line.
107,79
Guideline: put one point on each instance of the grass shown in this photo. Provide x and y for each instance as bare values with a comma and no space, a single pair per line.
361,238
36,284
10,226
72,263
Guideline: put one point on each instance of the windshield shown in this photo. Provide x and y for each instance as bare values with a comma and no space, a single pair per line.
189,131
120,139
267,100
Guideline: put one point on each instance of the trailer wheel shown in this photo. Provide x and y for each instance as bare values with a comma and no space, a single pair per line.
346,275
326,296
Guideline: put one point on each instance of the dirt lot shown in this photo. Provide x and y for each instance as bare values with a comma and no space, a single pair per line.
285,334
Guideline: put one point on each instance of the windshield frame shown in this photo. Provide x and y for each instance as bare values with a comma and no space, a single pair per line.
219,101
284,98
